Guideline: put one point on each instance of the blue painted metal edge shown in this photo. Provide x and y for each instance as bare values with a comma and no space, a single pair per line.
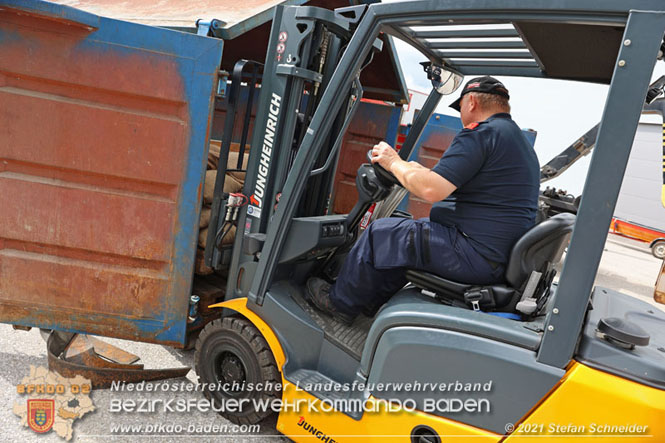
393,126
201,94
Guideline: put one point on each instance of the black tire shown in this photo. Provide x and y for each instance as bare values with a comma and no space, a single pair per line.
658,249
232,349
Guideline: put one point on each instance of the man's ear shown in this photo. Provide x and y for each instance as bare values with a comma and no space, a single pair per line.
473,102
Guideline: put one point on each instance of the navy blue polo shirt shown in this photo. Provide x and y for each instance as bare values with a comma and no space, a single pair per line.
497,175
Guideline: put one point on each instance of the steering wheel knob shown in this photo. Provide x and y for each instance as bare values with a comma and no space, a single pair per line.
387,178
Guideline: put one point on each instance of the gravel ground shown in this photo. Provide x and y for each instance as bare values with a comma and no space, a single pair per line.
626,266
22,349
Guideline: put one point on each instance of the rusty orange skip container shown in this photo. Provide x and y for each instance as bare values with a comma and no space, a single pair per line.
103,140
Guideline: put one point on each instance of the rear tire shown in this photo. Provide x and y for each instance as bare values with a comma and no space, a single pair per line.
658,249
232,350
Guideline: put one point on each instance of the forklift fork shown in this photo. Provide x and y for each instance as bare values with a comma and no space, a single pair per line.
71,354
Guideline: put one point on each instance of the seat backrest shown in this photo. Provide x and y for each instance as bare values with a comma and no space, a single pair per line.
540,247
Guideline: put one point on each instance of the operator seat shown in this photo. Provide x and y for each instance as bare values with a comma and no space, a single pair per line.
529,273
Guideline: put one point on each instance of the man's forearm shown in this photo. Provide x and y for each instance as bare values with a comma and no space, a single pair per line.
417,179
421,181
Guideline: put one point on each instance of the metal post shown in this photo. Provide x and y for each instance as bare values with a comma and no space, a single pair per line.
637,56
331,101
212,255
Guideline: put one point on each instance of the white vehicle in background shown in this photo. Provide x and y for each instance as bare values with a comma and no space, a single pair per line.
640,210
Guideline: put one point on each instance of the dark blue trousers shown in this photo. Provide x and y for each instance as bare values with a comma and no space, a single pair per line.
375,268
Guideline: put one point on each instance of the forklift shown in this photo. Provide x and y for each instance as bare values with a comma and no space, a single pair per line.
441,360
105,130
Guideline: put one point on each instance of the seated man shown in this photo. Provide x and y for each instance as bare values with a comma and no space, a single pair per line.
487,182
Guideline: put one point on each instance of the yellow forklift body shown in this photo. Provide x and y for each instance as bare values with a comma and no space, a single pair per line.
587,402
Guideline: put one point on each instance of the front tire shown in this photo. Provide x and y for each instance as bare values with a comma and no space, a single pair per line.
231,351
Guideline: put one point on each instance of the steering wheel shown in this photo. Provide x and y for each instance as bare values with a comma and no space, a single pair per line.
385,177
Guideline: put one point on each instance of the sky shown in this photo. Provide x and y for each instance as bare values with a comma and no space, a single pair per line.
560,111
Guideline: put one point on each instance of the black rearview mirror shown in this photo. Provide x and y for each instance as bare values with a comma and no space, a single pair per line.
444,81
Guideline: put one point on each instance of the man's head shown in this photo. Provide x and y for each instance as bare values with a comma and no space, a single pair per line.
480,98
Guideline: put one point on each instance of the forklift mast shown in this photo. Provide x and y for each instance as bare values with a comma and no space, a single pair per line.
304,48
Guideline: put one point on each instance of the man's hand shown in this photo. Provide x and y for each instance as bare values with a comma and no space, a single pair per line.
384,155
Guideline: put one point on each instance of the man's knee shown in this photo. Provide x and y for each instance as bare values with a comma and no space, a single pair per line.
386,224
378,233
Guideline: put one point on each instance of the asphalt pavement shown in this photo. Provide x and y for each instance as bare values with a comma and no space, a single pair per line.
628,266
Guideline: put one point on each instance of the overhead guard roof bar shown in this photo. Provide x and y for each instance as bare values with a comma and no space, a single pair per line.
470,33
491,55
484,53
611,13
477,45
468,49
494,63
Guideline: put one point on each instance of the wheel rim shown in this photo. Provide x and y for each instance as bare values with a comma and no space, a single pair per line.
659,250
229,369
231,359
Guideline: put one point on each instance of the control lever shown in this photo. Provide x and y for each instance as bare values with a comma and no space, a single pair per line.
655,90
370,189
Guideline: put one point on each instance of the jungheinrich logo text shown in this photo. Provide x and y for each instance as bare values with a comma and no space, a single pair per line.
314,431
266,153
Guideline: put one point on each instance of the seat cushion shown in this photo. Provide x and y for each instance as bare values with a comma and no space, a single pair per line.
427,280
500,296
